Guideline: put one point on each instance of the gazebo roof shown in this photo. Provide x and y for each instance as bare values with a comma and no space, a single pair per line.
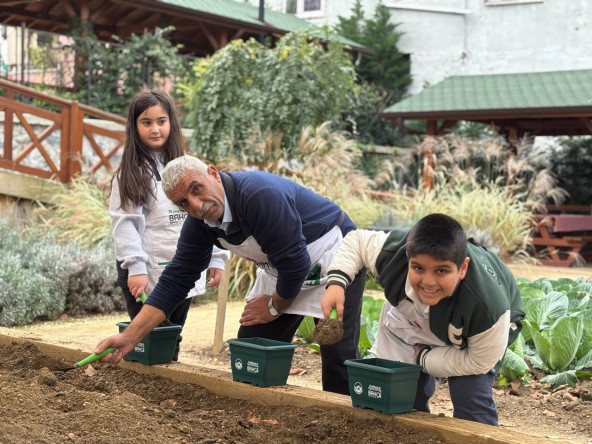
534,103
201,26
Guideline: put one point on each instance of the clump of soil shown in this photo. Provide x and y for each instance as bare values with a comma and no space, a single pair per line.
328,331
113,405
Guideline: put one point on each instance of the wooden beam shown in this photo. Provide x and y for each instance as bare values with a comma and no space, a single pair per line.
446,125
585,121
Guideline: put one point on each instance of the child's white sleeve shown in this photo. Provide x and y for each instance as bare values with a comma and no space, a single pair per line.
359,249
128,227
219,256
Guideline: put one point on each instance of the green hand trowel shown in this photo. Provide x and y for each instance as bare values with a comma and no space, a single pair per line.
89,359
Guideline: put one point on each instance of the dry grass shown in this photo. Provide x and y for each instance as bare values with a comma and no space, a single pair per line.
78,214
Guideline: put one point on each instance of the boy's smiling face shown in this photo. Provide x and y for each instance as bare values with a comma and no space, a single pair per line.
434,279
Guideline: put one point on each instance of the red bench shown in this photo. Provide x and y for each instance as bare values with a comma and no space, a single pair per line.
562,233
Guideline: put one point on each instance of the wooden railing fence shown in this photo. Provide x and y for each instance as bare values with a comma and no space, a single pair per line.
66,123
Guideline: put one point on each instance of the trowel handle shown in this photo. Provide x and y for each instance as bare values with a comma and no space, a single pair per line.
94,357
333,314
143,297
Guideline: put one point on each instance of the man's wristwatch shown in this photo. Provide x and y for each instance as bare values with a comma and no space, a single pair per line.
272,310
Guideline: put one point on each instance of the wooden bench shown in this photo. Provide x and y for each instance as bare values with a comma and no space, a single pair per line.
562,233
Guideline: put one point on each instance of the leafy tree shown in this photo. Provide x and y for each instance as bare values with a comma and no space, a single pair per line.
109,75
387,67
306,79
384,75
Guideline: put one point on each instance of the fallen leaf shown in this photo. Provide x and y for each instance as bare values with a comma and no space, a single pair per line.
168,403
270,421
296,371
442,398
561,387
548,413
255,419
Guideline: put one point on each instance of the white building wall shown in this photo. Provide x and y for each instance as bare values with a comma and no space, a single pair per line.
456,37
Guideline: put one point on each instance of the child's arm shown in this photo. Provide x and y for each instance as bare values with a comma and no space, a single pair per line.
127,227
482,353
359,249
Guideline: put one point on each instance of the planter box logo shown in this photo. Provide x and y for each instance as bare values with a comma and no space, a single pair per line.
238,364
358,388
374,391
252,367
140,348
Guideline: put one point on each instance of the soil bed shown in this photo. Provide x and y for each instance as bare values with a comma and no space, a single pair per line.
110,404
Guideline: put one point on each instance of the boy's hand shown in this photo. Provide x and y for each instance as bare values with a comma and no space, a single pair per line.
334,297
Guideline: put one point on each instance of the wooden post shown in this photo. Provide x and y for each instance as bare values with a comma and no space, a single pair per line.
221,312
428,153
8,116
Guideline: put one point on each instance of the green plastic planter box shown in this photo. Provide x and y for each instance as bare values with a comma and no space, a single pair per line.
382,385
259,361
156,348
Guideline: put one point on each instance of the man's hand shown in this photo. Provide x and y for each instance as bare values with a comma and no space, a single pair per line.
257,312
334,297
216,275
148,318
122,347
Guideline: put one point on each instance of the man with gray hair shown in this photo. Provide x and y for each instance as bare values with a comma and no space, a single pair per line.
288,231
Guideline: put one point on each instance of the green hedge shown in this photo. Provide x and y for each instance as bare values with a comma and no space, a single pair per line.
40,279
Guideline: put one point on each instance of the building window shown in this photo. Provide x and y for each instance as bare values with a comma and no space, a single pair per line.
510,2
312,5
304,8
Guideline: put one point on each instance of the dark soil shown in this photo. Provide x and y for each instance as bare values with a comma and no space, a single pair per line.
563,414
109,404
328,331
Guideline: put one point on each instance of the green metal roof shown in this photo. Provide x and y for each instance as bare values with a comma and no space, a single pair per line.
248,13
533,93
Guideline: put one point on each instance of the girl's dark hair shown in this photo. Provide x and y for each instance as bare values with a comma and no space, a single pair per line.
438,236
135,173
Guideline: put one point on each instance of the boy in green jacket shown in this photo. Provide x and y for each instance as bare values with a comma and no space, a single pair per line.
452,307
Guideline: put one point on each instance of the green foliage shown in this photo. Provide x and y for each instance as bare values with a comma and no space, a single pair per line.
306,328
77,214
242,278
40,279
384,75
109,75
513,366
557,326
489,190
489,213
371,309
307,78
387,67
572,162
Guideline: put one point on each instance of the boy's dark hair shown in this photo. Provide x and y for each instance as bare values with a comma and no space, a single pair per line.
438,236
